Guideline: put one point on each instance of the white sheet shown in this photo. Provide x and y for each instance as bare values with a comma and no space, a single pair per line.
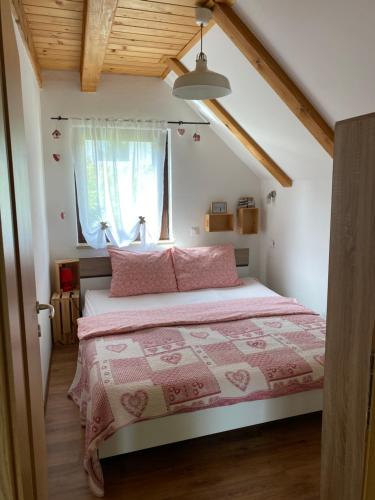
98,301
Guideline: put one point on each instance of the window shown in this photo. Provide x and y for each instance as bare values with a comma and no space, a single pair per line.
165,231
122,182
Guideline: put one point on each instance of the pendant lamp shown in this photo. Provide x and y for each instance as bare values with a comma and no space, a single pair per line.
201,83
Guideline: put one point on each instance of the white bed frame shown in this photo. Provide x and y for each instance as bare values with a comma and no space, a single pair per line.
175,428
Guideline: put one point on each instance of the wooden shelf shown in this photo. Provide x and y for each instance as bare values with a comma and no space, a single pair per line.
247,220
218,222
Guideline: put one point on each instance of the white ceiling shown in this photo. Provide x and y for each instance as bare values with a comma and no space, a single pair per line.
326,46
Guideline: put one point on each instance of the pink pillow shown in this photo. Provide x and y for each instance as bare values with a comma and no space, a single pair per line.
139,273
205,267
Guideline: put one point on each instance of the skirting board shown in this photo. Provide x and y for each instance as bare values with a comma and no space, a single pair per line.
174,428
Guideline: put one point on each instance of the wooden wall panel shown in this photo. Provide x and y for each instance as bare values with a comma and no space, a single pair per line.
351,310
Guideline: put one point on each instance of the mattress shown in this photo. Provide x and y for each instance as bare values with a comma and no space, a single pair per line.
99,301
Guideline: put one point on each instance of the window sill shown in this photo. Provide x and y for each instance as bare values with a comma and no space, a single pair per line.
84,246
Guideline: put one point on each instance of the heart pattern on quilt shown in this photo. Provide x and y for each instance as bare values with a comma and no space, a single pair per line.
174,358
257,344
116,347
239,378
135,403
199,335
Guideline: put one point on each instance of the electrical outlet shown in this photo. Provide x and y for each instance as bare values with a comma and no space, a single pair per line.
194,231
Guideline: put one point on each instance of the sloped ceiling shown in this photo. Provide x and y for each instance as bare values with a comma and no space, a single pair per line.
326,47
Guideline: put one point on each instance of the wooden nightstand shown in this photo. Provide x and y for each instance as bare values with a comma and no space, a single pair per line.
67,311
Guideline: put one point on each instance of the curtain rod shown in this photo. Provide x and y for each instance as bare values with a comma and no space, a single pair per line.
59,118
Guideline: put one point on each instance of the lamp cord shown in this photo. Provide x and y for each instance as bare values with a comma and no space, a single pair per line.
201,38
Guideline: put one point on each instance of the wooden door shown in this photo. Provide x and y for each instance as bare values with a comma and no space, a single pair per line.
22,448
348,441
369,486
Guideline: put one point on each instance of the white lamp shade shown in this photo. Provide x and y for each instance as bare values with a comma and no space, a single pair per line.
201,83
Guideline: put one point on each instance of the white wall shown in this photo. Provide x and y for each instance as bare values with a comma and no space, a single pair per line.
32,117
326,48
261,113
299,221
201,172
295,240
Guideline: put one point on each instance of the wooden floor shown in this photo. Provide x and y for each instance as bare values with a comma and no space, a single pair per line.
276,461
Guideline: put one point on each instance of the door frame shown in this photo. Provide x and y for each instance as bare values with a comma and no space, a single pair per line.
369,483
23,470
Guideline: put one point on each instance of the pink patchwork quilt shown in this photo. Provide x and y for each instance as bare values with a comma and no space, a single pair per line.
140,365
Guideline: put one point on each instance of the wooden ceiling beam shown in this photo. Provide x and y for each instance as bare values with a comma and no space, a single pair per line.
274,74
98,25
250,144
20,18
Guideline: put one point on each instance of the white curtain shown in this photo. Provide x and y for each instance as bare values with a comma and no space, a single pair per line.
119,172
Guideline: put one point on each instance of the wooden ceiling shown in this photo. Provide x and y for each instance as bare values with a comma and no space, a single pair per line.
56,30
133,37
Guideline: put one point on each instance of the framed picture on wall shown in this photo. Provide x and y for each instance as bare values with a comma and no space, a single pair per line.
219,207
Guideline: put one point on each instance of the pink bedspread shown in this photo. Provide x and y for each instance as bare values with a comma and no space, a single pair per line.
139,365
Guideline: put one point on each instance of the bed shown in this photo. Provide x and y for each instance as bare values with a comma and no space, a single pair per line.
267,365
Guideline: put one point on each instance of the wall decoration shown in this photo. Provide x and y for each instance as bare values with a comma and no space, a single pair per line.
62,215
219,207
196,137
181,131
56,134
56,156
